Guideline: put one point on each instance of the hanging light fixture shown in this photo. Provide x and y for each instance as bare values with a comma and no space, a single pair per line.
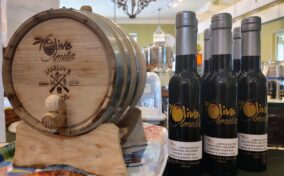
159,35
132,7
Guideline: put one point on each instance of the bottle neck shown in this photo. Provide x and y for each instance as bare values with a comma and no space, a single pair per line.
251,43
250,51
237,50
250,63
236,65
207,49
221,50
186,39
207,66
222,63
211,65
221,41
207,56
185,62
186,49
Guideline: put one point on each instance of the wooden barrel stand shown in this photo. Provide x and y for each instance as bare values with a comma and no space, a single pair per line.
97,152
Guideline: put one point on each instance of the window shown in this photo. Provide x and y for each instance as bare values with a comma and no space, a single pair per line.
280,46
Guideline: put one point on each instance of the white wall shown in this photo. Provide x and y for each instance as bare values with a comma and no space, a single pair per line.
274,11
19,11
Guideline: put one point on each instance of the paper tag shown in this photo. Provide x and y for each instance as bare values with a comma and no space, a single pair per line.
187,151
221,146
253,142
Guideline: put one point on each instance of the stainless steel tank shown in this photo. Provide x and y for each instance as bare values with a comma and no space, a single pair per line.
158,56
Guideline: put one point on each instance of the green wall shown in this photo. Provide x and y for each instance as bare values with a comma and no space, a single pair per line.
145,31
268,43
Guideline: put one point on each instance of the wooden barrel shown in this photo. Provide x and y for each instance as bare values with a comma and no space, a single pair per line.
97,69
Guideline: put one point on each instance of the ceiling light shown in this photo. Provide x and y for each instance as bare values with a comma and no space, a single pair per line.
173,3
159,35
132,7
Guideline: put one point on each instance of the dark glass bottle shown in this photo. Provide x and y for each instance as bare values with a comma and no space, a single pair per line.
185,143
207,70
237,50
252,100
207,53
220,112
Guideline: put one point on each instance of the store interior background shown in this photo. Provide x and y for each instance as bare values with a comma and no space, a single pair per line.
146,22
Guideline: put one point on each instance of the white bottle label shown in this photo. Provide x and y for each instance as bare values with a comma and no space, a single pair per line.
187,151
252,142
221,146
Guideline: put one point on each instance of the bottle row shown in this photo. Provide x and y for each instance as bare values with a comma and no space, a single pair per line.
218,122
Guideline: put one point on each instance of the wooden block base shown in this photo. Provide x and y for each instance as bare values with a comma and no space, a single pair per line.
133,124
97,152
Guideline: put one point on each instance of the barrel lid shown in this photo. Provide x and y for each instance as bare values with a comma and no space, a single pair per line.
65,53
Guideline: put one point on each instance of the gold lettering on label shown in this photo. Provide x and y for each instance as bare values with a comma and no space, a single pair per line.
254,110
181,115
221,114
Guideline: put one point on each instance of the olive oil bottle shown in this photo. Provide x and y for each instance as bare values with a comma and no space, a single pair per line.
207,53
252,100
237,50
207,71
220,113
185,143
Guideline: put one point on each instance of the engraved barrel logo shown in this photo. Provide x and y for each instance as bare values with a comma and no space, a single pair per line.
59,75
183,116
53,49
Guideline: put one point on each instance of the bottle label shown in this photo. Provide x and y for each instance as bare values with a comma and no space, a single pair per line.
221,146
187,151
254,111
220,114
252,142
183,117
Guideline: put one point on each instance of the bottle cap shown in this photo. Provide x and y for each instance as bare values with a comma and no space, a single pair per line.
186,19
251,24
221,21
196,25
237,33
207,34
